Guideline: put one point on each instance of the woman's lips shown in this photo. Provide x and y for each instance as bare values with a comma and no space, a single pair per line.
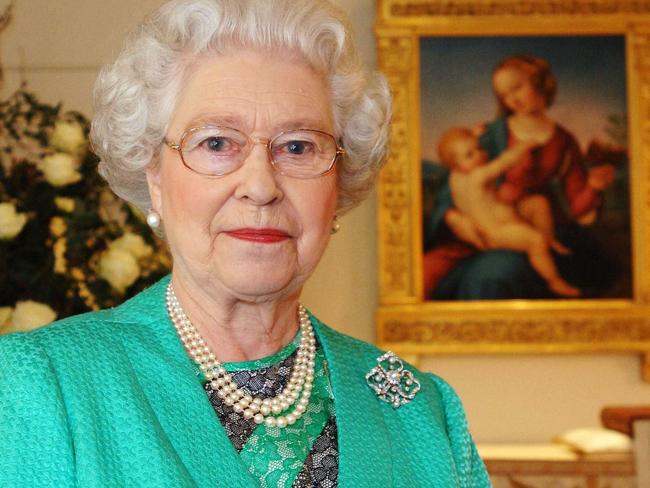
264,236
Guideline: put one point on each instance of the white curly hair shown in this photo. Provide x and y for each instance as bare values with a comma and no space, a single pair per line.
135,96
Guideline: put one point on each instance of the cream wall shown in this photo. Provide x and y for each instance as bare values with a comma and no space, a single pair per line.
59,46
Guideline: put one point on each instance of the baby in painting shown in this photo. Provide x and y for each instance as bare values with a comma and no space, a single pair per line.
486,221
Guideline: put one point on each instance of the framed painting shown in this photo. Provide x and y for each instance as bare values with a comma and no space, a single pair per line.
514,210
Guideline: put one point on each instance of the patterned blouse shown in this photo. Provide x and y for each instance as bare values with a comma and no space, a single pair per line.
301,455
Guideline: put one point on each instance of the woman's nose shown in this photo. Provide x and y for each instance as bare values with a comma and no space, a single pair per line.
258,178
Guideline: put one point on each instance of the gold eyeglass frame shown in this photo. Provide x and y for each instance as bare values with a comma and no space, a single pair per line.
265,141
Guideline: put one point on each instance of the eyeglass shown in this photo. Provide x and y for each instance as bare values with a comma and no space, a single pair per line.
217,151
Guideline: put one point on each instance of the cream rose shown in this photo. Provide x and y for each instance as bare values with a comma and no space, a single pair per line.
29,315
68,136
11,222
5,317
58,226
59,249
60,169
133,244
64,204
111,208
119,267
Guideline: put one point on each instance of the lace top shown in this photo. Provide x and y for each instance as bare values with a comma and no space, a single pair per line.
302,455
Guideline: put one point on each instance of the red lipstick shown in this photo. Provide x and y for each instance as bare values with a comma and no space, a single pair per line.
263,236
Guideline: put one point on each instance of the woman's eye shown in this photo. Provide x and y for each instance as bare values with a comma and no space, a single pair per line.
216,144
298,148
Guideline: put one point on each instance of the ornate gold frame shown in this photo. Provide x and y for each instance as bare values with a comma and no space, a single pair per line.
411,326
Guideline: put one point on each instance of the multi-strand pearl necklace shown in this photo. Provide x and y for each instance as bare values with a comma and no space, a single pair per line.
267,410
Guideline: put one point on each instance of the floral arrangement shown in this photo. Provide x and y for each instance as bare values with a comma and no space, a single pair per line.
67,243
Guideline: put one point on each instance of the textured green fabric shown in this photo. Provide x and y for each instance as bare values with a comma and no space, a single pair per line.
111,399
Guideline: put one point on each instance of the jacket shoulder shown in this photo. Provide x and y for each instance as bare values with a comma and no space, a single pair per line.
35,441
346,344
366,355
90,330
439,408
470,467
42,340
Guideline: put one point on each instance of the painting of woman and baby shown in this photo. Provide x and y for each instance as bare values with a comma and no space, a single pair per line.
534,203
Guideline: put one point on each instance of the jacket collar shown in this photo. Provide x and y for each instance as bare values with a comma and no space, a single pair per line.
363,438
170,381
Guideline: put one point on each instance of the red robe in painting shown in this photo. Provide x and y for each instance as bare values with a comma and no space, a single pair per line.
560,159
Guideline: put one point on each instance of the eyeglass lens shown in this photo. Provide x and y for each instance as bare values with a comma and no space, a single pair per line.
217,151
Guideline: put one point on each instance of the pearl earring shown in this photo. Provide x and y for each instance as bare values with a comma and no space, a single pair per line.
335,225
153,219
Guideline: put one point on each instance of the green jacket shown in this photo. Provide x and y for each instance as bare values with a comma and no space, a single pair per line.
111,399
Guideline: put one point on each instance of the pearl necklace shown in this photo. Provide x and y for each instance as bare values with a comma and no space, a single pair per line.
267,410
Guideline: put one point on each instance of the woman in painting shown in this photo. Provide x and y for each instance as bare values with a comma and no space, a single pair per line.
458,267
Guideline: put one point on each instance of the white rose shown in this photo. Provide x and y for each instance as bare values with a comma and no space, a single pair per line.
60,169
58,227
118,267
65,204
29,315
111,208
11,222
68,136
133,244
59,249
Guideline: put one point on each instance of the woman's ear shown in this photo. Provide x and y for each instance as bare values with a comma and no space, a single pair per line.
153,182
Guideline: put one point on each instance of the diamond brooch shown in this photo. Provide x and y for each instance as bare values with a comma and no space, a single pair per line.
391,382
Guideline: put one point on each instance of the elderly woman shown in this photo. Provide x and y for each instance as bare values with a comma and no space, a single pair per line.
243,128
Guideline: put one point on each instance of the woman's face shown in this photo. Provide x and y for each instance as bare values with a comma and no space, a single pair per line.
253,234
515,90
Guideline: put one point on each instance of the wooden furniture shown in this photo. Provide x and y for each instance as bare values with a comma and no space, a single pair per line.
556,466
635,422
